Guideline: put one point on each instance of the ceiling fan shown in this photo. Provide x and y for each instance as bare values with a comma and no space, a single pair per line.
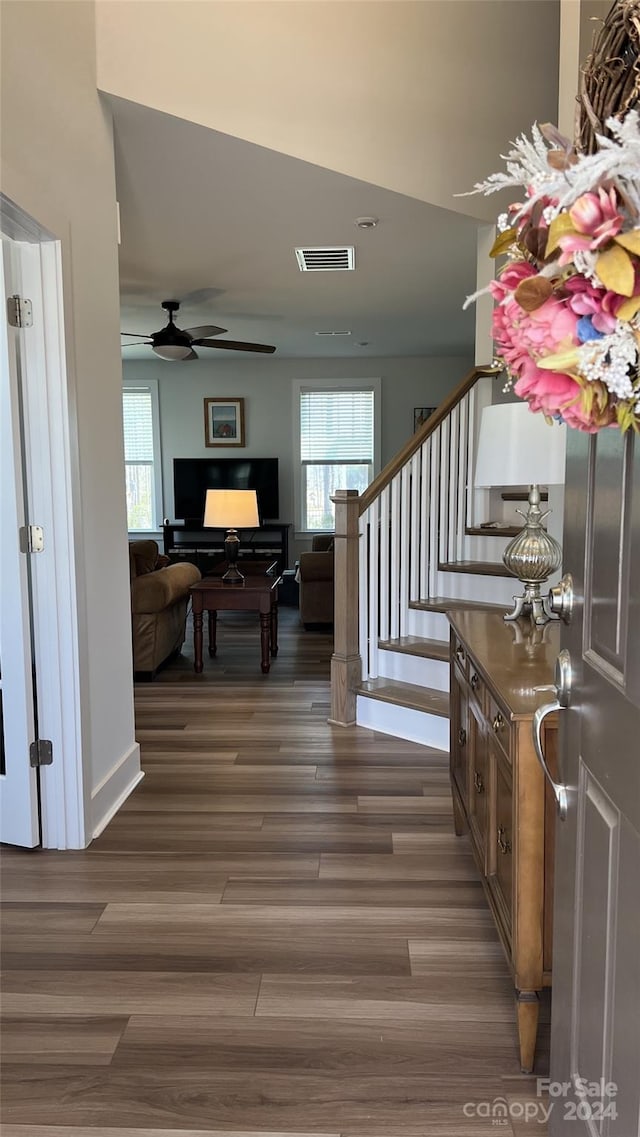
172,342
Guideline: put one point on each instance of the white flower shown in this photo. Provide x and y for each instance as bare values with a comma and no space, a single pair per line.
617,159
610,359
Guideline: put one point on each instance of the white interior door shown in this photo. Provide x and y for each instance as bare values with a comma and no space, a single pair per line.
595,1042
19,824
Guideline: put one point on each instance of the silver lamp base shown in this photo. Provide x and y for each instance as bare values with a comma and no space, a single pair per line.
532,556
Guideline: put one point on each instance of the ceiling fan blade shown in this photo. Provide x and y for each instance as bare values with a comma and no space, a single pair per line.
236,345
136,343
204,330
192,355
143,335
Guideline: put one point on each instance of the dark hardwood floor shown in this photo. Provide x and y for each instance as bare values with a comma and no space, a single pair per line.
278,934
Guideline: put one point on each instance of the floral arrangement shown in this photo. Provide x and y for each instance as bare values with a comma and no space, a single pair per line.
567,315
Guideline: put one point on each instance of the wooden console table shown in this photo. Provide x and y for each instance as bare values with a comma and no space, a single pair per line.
191,541
499,791
257,594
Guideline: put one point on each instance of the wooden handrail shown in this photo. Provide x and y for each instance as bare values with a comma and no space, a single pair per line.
415,442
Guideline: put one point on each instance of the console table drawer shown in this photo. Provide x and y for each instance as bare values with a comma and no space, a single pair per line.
501,857
479,786
500,726
460,655
476,686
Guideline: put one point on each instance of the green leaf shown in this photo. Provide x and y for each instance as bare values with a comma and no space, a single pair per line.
628,309
615,269
559,227
565,361
503,242
629,241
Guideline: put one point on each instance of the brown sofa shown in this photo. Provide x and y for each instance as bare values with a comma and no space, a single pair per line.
315,575
159,599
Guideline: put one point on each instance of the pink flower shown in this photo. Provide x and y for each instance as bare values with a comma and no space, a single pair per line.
586,300
511,276
552,393
597,216
526,336
571,244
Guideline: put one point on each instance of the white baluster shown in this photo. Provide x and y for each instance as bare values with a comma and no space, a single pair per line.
415,545
394,623
434,507
424,519
374,586
462,480
363,611
444,491
405,518
452,491
384,564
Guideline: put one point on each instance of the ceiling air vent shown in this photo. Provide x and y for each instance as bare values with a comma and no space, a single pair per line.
329,259
332,333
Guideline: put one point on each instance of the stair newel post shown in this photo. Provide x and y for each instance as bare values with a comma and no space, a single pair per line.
346,665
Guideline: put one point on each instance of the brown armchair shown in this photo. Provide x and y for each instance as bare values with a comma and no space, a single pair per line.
159,598
315,574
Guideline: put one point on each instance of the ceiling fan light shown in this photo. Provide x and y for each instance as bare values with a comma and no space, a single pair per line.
173,351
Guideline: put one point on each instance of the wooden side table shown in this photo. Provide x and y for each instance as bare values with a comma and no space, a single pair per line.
257,594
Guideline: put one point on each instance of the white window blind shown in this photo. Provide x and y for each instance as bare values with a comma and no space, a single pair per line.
138,425
336,449
140,455
336,426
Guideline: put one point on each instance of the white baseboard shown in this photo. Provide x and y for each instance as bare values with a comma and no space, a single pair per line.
114,789
403,722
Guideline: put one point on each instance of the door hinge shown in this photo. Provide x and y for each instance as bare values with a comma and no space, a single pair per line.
31,539
19,312
41,752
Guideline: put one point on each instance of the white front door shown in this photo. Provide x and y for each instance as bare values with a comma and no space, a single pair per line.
595,1043
19,823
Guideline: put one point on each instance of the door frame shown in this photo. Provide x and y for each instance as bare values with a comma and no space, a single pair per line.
20,794
51,456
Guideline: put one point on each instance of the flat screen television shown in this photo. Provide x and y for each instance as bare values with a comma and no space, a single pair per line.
192,477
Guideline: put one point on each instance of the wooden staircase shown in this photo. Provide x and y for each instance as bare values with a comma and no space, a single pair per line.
407,550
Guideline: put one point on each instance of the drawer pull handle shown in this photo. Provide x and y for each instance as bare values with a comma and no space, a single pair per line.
478,782
475,679
497,723
504,843
462,736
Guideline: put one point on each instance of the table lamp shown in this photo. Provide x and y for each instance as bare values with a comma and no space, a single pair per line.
231,510
517,448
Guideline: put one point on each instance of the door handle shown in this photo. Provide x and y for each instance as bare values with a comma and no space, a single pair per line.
561,598
561,702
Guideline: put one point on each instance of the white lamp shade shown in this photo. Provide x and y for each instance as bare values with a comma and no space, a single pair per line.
231,509
519,448
173,351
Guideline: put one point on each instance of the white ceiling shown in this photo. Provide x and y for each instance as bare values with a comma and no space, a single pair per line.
213,221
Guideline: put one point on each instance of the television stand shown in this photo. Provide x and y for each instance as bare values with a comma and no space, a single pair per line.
190,541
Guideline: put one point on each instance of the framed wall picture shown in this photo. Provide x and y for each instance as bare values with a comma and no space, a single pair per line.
224,422
420,416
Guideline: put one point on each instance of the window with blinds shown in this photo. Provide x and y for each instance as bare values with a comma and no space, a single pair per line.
140,457
336,449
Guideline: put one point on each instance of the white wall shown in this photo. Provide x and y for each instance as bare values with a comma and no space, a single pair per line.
266,384
418,96
57,165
